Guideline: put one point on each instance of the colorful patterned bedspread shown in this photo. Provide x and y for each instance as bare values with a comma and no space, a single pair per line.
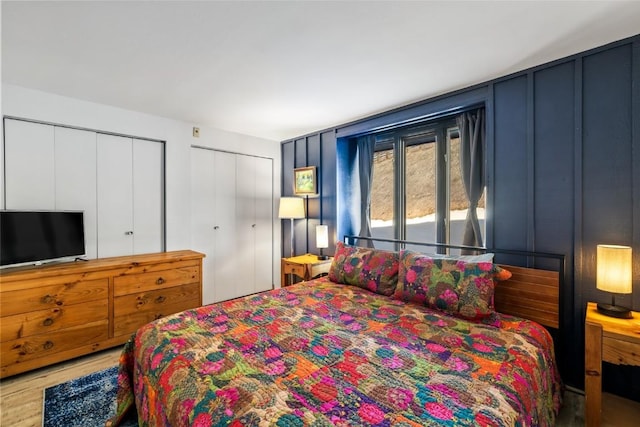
319,354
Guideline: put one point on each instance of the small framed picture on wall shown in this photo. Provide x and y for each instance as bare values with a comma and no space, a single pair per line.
304,181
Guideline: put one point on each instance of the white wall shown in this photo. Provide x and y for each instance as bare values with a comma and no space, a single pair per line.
1,126
46,107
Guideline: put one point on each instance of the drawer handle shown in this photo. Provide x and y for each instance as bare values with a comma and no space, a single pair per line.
48,321
161,299
160,281
216,227
48,345
48,299
128,233
158,316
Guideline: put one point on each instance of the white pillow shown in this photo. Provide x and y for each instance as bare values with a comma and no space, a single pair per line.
488,257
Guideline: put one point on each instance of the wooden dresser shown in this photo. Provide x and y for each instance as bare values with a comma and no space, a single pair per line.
57,312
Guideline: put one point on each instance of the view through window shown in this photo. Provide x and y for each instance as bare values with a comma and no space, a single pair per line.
418,192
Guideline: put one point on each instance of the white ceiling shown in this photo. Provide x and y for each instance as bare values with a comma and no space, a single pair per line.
281,69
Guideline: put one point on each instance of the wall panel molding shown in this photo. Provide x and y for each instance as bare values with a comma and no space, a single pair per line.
635,148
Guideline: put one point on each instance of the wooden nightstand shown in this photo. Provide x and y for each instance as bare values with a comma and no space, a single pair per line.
305,266
606,339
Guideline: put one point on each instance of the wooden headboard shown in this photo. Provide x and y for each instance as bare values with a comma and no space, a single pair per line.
530,293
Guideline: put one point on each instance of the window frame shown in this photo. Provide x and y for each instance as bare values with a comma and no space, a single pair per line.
439,132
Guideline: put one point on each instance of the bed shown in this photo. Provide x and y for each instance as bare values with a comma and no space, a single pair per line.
387,339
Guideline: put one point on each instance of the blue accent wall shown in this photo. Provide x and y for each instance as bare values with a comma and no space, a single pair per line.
563,174
313,150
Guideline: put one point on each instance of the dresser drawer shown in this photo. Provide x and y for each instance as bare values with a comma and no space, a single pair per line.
43,345
44,321
128,284
52,296
133,311
296,269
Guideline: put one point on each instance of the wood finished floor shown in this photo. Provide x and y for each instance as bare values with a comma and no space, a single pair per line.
21,395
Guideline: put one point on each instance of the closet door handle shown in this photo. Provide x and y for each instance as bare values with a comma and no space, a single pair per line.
128,233
253,226
216,227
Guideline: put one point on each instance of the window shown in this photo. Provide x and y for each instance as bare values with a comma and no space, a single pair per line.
417,190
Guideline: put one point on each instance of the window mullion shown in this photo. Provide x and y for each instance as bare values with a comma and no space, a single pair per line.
442,196
400,228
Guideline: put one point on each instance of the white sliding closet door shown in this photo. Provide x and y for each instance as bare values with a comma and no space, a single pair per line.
232,222
115,195
228,260
29,165
203,205
75,179
263,271
246,226
255,222
148,197
117,181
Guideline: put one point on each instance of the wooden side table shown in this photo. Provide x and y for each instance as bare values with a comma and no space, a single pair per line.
306,267
610,340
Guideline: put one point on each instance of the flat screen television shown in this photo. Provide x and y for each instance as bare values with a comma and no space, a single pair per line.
33,237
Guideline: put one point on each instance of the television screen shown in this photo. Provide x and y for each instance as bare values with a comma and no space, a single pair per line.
35,236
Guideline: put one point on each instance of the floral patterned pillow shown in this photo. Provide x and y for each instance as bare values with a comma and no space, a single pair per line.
453,286
372,269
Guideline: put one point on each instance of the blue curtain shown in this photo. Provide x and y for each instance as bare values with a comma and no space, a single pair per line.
472,148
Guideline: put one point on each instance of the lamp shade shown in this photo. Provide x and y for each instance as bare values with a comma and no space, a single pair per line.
322,236
291,208
613,269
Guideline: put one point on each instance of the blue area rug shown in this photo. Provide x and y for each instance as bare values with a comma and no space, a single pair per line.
84,402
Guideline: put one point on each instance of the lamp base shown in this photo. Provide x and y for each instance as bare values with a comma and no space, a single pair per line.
614,311
323,257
